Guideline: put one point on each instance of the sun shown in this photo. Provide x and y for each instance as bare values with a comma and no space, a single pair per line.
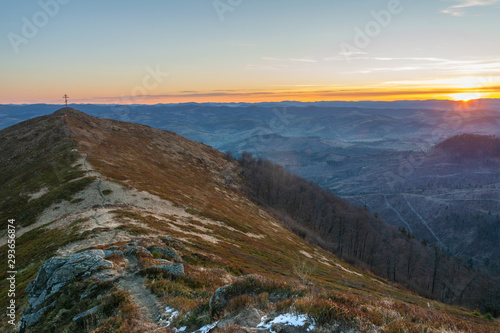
465,97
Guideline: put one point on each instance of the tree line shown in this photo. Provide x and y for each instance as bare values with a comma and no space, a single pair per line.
366,241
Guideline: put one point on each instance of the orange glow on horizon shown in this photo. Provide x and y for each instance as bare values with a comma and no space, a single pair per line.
253,96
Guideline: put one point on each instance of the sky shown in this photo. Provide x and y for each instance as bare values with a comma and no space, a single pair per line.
163,51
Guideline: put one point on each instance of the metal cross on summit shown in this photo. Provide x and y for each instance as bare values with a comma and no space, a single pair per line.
66,99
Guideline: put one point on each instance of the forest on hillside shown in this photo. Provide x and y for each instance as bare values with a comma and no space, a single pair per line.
366,241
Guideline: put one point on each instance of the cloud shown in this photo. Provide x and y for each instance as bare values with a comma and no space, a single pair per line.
458,9
302,60
441,65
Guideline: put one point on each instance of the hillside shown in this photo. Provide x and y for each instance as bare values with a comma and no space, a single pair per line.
448,195
122,227
470,146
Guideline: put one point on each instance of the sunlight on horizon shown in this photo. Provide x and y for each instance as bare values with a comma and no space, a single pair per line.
465,97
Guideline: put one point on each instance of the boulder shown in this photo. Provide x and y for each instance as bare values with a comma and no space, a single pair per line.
174,269
54,274
167,252
223,295
168,240
248,317
219,300
138,251
110,252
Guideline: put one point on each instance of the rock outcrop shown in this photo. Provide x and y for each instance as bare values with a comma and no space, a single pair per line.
174,269
57,272
166,252
219,300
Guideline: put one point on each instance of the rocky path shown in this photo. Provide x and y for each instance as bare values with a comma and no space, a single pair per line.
99,190
148,304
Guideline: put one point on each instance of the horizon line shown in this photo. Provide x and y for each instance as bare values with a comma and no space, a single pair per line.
265,102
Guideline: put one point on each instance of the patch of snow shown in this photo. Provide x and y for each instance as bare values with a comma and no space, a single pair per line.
207,328
255,235
306,254
347,270
170,315
39,194
297,320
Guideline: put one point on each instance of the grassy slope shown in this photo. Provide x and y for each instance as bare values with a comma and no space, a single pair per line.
35,154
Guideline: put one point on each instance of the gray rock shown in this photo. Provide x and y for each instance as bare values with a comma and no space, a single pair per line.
138,250
174,269
164,261
219,300
106,275
88,292
284,328
32,318
223,295
86,313
110,252
168,240
167,252
54,274
248,317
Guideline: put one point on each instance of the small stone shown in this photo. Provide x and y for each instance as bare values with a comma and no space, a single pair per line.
138,251
167,252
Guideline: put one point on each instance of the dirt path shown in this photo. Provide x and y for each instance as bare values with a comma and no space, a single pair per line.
99,190
149,306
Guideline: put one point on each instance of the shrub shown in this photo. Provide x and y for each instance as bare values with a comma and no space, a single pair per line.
263,300
122,312
198,317
239,302
323,311
489,316
284,306
255,284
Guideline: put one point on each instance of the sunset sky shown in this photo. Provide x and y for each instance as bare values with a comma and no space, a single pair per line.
161,51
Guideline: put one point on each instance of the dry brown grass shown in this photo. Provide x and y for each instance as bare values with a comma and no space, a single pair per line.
118,261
